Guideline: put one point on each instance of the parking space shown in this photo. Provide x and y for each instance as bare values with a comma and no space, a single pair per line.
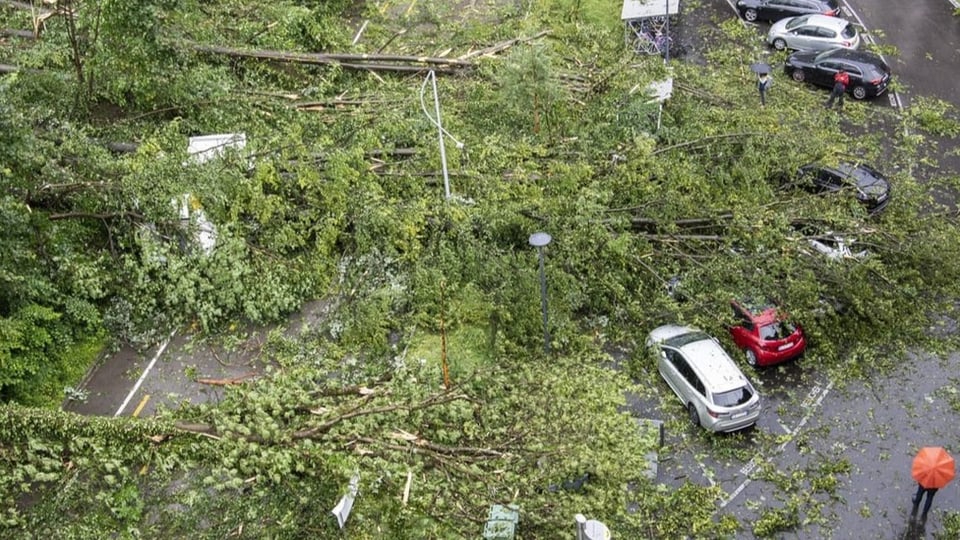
766,53
836,457
181,369
791,395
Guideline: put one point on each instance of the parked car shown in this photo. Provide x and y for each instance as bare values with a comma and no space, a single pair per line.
813,33
764,334
872,188
717,395
835,247
869,74
774,10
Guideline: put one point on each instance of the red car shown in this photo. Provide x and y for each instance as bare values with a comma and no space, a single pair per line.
764,334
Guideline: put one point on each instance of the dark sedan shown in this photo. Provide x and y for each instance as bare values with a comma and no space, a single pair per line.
774,10
869,74
872,187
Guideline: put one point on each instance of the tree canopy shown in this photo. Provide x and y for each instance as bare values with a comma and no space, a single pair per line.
338,194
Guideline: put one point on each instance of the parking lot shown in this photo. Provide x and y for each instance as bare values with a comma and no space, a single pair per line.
827,458
840,453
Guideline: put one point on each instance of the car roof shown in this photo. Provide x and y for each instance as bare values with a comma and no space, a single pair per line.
670,331
755,305
863,175
707,357
716,368
852,55
825,21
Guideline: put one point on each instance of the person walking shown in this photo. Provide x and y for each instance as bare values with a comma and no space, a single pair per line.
921,491
840,82
933,468
763,84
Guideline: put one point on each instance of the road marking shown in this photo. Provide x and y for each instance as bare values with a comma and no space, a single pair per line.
143,375
893,96
143,403
136,413
812,402
409,8
784,428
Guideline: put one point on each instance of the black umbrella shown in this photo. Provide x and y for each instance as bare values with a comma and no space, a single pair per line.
760,68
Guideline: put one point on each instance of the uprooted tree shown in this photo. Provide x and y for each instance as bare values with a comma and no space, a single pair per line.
559,138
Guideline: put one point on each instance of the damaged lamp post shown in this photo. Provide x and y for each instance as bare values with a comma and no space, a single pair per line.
432,78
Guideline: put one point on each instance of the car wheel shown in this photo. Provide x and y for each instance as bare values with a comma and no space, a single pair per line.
751,358
798,75
779,44
859,92
750,15
694,415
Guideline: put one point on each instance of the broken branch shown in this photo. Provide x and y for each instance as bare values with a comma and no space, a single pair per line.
503,45
226,381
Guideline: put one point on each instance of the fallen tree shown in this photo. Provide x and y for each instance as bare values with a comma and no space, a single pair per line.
373,62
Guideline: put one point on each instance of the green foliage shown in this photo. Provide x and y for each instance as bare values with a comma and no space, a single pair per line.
934,116
345,202
530,89
776,520
950,526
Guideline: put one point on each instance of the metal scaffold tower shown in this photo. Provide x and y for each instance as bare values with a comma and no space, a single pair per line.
647,25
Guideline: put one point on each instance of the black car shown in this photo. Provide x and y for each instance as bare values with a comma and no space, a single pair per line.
872,187
869,74
774,10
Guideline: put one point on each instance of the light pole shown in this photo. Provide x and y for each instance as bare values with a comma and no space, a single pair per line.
432,78
666,57
539,240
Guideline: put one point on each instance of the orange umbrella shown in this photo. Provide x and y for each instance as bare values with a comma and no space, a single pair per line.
933,467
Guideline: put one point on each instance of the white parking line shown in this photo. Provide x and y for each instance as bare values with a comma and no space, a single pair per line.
143,375
893,96
812,402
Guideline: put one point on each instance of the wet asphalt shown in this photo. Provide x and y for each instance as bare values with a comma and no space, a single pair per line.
184,368
863,435
866,434
810,420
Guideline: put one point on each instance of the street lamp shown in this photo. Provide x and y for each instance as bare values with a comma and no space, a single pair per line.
539,240
432,78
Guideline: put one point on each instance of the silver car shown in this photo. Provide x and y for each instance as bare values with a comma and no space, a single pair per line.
813,33
717,395
836,247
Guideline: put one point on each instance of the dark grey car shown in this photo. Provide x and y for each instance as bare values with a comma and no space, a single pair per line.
774,10
871,187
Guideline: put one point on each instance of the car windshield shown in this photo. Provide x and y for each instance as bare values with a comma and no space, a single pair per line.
797,21
683,339
733,398
849,32
864,179
776,331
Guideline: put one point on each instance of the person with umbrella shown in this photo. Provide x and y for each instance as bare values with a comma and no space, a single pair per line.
763,80
933,468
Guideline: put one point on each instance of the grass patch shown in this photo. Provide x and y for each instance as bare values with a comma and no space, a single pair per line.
468,349
48,388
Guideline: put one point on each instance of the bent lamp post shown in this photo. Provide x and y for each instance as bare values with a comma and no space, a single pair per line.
539,240
432,78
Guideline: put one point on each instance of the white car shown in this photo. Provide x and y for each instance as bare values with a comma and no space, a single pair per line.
835,247
716,394
813,33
